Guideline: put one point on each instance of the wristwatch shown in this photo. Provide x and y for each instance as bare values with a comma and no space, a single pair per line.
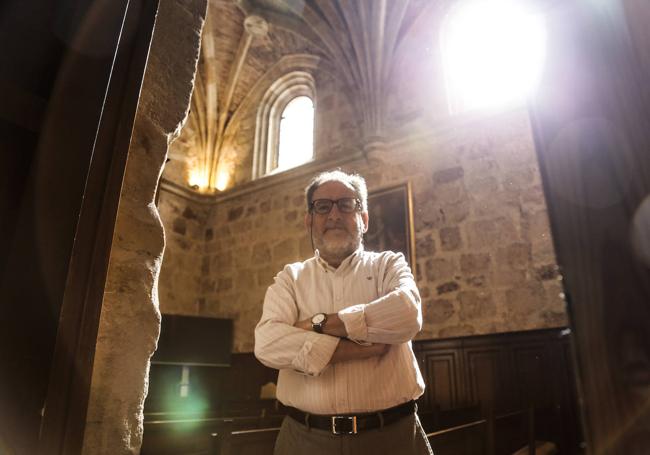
318,321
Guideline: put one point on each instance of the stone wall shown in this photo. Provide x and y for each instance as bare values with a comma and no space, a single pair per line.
485,260
185,223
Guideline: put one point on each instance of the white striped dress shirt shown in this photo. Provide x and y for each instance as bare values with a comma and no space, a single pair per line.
376,297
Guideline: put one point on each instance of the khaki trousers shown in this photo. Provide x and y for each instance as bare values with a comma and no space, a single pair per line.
404,437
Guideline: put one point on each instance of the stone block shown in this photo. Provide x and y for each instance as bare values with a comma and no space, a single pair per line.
476,281
491,232
305,248
265,206
425,246
546,272
507,277
482,187
471,264
235,213
261,253
451,193
290,216
201,306
516,255
209,234
224,284
440,269
265,276
450,239
222,261
527,297
223,231
285,251
501,202
448,175
534,197
437,311
299,201
520,179
182,243
242,226
281,202
543,251
207,286
476,305
535,226
457,331
453,214
447,287
245,279
428,214
556,318
241,256
179,226
189,213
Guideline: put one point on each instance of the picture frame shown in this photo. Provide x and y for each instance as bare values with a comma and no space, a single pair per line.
390,227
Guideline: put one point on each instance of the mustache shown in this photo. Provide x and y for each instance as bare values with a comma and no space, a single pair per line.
335,225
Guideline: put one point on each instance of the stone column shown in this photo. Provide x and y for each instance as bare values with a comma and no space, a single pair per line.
130,319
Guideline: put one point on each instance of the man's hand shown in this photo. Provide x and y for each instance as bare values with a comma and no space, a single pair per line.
349,350
333,326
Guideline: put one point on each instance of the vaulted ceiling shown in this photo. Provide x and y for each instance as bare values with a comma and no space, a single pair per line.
242,39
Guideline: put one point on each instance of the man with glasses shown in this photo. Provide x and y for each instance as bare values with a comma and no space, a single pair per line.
339,327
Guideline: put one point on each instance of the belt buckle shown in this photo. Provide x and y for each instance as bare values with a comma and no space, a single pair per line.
353,420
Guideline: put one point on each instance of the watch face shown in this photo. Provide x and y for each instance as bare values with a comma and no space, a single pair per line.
318,318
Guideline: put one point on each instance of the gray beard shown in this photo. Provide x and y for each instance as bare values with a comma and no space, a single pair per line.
340,251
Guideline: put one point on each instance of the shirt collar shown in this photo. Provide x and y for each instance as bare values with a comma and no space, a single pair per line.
350,260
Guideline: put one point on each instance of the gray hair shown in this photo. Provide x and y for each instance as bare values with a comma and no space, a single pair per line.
354,181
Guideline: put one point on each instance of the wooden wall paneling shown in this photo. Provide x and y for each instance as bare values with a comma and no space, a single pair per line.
533,376
443,373
566,402
487,379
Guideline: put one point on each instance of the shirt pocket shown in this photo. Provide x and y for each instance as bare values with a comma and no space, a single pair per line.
361,288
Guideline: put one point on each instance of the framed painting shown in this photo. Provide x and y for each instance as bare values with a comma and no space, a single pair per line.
390,227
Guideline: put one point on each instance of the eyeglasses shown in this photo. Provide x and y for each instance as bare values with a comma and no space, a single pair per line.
345,205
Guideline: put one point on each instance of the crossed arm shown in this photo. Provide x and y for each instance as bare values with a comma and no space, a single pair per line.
283,341
346,349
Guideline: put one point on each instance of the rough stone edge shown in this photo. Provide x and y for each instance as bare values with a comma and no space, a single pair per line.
130,319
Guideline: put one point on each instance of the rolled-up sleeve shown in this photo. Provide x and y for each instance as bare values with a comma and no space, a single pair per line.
393,318
280,345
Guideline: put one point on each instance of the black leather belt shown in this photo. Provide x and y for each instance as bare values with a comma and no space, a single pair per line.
353,423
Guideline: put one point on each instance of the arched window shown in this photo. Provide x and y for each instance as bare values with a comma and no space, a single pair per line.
296,141
285,124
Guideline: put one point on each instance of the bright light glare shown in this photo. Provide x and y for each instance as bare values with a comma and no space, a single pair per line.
493,53
223,178
296,133
198,177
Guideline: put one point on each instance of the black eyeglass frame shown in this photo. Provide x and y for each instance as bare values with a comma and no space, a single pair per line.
357,206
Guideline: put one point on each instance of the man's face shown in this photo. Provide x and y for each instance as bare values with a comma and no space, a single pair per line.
336,234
